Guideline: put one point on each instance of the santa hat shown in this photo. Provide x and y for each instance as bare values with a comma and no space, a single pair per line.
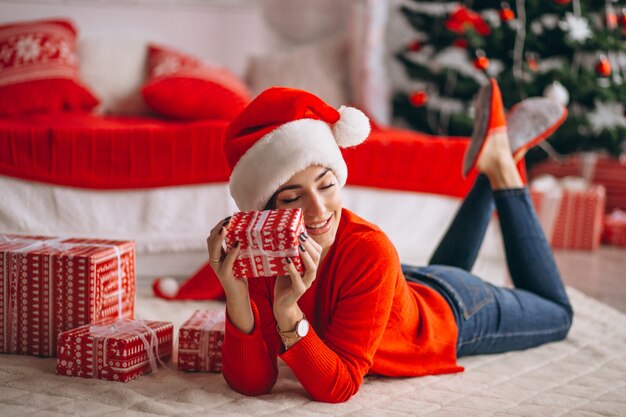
281,132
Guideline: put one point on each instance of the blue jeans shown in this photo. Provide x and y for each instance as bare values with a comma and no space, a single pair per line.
493,319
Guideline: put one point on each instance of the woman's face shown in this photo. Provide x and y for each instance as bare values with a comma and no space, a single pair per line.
314,190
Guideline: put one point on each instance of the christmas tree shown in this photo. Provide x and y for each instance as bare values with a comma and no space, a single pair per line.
572,51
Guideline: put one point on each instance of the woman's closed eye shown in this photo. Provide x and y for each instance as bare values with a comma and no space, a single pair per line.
289,200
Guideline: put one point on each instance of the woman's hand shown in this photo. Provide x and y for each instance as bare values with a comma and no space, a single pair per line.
236,289
289,288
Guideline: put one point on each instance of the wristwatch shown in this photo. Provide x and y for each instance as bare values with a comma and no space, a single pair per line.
300,330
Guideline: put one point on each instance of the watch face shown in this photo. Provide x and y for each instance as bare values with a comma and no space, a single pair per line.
302,328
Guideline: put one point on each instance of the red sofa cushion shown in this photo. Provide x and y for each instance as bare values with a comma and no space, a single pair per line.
39,69
182,87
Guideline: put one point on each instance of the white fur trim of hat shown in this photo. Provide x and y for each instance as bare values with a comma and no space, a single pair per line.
291,148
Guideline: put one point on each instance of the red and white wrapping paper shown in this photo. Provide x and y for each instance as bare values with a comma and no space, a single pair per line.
200,341
118,351
595,167
570,210
615,228
265,239
49,285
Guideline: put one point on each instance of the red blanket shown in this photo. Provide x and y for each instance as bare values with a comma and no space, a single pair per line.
88,151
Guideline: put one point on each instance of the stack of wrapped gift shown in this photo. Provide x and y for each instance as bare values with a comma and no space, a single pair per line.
200,342
265,239
49,285
595,167
571,211
118,351
615,228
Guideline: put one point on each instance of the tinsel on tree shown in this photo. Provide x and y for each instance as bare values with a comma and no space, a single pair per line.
572,51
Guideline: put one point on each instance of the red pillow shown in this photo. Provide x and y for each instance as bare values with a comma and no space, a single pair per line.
183,87
39,69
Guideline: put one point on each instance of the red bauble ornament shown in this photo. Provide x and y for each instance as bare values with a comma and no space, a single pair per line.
415,46
481,62
506,14
603,67
562,1
418,98
610,20
532,60
460,43
622,19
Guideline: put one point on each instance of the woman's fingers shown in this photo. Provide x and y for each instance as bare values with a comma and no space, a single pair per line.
307,259
229,260
310,245
297,283
215,241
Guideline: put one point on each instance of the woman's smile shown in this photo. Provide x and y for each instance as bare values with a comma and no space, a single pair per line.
321,227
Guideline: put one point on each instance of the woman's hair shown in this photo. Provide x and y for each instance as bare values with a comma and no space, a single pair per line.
271,204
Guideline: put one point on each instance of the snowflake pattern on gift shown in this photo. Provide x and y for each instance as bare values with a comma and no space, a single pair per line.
118,356
200,341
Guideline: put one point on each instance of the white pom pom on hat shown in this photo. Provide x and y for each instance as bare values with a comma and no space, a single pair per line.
281,132
168,287
352,128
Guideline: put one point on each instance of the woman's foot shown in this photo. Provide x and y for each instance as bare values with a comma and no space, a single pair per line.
497,163
489,121
489,150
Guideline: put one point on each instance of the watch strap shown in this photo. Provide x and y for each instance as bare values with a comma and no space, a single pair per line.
290,334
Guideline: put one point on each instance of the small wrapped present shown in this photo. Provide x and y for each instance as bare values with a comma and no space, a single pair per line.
118,351
49,285
595,167
615,228
265,238
200,342
570,210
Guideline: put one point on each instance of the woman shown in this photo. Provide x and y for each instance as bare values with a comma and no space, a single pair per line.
368,314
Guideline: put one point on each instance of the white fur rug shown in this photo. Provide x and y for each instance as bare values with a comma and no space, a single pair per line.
582,376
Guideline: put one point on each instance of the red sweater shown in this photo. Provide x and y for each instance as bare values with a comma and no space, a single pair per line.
365,319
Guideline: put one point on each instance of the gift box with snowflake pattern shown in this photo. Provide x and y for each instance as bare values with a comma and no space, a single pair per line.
265,239
118,351
200,342
49,285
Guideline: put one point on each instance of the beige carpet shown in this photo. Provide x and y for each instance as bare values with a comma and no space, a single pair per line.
582,376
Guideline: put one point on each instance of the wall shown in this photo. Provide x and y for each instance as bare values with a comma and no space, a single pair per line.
220,32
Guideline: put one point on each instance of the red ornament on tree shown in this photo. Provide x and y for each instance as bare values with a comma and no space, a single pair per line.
506,14
460,43
610,19
414,46
481,62
418,98
622,21
463,19
603,66
562,1
532,60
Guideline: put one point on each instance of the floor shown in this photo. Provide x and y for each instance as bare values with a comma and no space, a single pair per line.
600,274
